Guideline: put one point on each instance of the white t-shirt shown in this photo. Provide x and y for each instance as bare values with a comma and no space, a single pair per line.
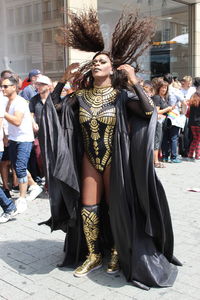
3,103
187,94
24,132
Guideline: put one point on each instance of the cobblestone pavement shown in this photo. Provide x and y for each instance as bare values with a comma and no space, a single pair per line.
29,253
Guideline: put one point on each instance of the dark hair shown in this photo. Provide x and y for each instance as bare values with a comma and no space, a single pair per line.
14,79
6,74
148,82
84,79
160,84
196,82
195,99
168,77
132,35
82,32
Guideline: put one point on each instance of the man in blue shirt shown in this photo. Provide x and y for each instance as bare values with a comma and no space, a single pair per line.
30,91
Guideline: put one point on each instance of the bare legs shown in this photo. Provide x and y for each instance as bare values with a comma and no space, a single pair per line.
93,185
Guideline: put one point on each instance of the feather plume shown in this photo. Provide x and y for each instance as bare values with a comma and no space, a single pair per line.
132,36
82,32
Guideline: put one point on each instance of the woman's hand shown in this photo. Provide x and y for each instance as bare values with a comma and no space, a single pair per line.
35,127
69,72
170,108
132,79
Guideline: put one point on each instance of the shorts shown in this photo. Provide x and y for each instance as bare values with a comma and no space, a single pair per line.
5,154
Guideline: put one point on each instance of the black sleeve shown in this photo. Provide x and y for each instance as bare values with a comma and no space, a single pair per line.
32,105
140,103
55,95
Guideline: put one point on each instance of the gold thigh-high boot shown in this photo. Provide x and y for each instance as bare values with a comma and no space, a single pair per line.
113,264
90,216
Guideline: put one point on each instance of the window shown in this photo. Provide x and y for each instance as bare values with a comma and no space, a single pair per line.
20,43
37,12
10,17
11,44
19,16
27,40
184,29
37,36
47,10
48,36
28,14
57,6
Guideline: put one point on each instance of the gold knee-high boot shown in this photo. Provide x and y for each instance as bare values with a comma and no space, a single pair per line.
91,230
113,264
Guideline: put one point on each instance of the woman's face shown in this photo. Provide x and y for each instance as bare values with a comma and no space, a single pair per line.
101,66
186,84
163,90
148,89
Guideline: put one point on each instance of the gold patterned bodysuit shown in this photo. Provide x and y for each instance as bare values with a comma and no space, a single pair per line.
97,116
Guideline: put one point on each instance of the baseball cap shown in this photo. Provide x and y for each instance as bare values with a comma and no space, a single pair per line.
43,79
32,73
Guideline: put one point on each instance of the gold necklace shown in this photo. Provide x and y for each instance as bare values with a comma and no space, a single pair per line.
97,97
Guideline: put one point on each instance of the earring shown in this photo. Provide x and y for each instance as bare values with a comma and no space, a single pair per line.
111,72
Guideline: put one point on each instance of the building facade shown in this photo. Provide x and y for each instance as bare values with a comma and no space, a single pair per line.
28,30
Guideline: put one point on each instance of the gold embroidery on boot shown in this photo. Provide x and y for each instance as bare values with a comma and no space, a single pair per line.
91,228
91,231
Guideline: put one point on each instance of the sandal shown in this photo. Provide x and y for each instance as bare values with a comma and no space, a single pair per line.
159,165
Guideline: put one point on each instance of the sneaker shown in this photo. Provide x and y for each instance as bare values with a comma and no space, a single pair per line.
5,217
15,189
176,161
35,191
38,180
21,205
93,262
165,159
191,159
113,265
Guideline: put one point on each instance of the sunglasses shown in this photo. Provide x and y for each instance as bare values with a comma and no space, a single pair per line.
5,86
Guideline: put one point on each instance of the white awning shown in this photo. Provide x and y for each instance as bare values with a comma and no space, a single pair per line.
181,39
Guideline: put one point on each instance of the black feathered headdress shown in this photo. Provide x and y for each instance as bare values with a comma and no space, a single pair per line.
131,36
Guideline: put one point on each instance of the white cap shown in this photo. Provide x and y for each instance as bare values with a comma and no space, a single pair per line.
43,79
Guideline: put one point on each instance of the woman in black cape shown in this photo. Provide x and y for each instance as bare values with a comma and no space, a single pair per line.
98,143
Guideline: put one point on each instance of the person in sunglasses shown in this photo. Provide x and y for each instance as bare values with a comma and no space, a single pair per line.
6,203
20,136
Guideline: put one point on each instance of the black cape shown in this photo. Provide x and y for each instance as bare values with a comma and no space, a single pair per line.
138,209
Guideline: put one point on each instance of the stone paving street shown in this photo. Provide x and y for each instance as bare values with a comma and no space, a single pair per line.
29,253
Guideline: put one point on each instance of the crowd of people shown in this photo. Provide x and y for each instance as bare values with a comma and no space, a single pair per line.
178,106
96,136
17,139
21,167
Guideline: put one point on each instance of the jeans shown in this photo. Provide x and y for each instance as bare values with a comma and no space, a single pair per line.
5,202
170,142
19,156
